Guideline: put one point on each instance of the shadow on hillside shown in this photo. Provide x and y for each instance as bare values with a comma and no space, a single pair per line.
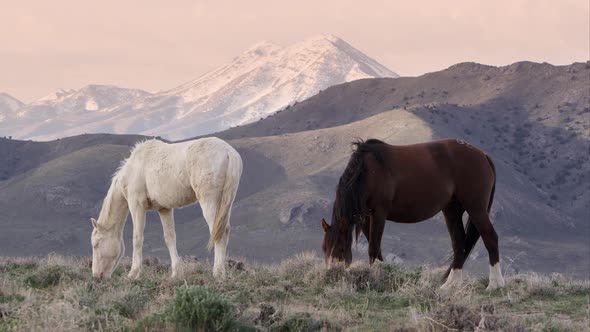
545,160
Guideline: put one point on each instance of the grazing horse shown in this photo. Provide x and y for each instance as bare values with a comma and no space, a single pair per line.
409,184
160,176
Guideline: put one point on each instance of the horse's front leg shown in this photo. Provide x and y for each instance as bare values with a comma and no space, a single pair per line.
365,229
376,228
138,217
167,218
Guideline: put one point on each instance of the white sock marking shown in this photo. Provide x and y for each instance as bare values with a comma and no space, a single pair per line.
455,277
496,279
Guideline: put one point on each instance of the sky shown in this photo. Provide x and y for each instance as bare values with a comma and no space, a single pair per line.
156,45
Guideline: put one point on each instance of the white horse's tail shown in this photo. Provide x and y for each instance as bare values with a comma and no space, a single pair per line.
231,180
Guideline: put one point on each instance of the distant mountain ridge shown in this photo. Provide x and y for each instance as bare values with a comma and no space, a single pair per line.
260,81
8,105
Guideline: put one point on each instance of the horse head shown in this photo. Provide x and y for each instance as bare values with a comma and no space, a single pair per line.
107,249
337,243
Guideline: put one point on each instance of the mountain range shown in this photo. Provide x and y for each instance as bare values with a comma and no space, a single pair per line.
531,118
260,81
8,105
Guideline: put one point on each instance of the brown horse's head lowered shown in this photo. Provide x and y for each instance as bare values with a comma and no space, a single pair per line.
336,244
349,206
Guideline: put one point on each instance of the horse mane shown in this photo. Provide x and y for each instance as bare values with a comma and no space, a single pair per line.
350,192
106,211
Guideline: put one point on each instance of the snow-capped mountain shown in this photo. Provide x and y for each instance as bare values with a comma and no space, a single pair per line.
8,105
260,81
67,111
89,98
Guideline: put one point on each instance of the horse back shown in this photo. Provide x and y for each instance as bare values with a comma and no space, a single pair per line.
174,175
420,179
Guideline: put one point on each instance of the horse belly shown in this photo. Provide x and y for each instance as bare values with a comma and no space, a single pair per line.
170,198
411,206
410,215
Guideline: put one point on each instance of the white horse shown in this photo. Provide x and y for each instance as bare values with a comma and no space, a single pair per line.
160,176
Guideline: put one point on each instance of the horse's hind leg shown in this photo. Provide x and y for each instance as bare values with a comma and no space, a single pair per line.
484,226
209,208
167,218
453,217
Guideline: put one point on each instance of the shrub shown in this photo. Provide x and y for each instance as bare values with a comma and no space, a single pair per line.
14,268
390,277
296,267
5,298
302,321
456,316
554,326
155,322
199,308
46,277
131,303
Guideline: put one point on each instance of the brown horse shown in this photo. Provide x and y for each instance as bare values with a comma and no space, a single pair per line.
409,184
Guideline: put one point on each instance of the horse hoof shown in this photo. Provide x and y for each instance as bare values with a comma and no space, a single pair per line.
219,275
492,287
133,275
454,279
447,286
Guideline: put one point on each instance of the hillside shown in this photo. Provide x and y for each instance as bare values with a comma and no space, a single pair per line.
535,130
534,116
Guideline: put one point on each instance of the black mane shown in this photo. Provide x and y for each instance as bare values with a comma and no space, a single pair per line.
350,192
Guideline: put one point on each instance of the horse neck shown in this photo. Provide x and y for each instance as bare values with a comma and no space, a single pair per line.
114,208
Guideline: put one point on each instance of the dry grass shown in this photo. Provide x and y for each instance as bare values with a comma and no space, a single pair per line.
58,294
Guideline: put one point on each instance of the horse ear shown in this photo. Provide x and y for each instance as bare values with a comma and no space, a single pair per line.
94,223
325,225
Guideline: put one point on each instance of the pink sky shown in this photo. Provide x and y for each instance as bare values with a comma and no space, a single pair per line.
154,45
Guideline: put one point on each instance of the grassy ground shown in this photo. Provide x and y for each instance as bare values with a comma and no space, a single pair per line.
59,294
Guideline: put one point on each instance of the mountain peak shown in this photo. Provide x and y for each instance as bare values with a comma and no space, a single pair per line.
57,94
8,102
325,37
318,42
262,48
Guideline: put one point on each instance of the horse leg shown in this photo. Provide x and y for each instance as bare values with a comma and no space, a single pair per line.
209,212
167,218
365,229
376,228
490,239
453,217
138,218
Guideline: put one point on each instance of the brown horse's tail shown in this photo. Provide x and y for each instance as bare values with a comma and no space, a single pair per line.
471,233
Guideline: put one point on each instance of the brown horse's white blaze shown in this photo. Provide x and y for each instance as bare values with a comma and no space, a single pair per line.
409,184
